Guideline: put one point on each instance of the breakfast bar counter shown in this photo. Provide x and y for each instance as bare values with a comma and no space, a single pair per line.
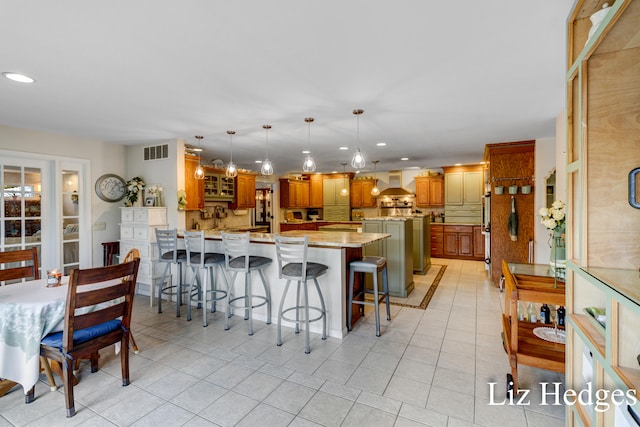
335,249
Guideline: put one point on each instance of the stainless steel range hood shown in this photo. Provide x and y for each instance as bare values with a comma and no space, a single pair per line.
395,186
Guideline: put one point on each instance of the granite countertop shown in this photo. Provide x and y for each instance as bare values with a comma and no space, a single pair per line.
304,221
454,223
336,239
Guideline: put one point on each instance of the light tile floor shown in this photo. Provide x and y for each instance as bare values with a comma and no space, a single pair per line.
430,367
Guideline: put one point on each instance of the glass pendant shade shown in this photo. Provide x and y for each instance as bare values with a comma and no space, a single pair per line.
375,190
267,167
309,164
345,191
199,172
231,171
358,160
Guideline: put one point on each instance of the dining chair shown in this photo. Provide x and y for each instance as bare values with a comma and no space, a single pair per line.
97,315
130,256
26,268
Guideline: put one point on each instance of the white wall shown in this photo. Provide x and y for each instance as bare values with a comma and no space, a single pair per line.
103,157
550,155
545,163
167,173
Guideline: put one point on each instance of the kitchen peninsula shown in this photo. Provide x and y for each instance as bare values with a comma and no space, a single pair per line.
333,248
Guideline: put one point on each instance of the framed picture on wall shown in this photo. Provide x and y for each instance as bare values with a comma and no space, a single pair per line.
150,201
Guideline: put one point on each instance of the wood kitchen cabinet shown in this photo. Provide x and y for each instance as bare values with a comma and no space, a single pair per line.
294,193
315,190
478,242
245,191
458,241
437,240
361,193
429,191
193,187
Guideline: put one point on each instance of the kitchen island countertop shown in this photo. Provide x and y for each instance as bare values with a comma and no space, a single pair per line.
337,239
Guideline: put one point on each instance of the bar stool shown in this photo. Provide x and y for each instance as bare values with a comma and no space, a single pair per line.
373,265
167,241
293,265
238,260
198,260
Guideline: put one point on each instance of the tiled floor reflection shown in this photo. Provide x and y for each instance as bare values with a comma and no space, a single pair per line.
430,367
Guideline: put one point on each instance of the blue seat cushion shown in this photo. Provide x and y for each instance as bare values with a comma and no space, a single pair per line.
294,269
82,335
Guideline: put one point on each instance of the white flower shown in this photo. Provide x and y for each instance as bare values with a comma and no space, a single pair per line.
553,217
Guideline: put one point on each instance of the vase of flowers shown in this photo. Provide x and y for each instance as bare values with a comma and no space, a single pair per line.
554,219
135,188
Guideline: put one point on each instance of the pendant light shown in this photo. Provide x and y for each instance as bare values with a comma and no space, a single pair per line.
231,171
309,164
345,190
267,167
375,190
199,172
358,158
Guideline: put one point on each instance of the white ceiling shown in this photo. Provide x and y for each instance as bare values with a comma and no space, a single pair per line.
437,80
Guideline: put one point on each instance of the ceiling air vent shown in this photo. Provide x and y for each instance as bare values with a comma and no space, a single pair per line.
156,152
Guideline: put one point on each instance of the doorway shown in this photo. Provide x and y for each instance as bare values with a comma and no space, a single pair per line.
264,208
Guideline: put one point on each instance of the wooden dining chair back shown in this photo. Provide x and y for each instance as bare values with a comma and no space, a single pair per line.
97,315
131,255
20,264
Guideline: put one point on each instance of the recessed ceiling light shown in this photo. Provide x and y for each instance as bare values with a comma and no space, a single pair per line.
457,164
381,144
344,148
196,149
404,158
306,151
17,77
258,161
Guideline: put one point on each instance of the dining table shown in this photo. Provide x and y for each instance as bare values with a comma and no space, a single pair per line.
28,312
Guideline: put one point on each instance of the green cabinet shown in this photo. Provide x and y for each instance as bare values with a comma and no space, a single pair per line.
421,244
335,206
463,188
397,249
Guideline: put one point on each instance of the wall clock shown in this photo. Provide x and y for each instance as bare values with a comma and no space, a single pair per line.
110,188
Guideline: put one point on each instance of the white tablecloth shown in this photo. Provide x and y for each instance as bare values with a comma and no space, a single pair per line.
28,312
